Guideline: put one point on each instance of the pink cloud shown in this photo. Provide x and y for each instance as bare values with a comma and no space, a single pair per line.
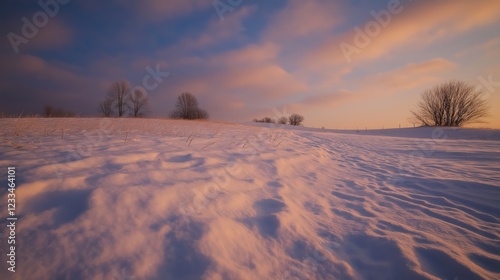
397,81
407,29
491,46
36,67
250,54
55,34
269,78
255,83
47,82
304,18
218,31
237,80
328,100
410,76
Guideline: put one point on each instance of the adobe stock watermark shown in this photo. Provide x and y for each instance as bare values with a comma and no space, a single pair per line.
123,274
40,19
150,81
224,6
90,140
488,84
372,29
83,148
426,148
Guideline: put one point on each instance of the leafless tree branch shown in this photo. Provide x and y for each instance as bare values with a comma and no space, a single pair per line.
453,103
117,93
187,108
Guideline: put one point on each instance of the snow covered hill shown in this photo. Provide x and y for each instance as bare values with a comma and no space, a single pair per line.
164,199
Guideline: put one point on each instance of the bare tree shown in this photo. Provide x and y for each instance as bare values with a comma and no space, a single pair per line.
453,103
137,102
117,94
295,119
106,107
48,111
186,107
283,120
201,114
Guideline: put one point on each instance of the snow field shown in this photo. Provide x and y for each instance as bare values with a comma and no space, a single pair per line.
164,199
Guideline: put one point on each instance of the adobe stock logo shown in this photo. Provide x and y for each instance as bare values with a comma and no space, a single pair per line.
373,28
39,20
222,7
150,81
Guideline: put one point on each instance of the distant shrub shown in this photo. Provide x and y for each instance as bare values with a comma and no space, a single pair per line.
265,120
50,111
453,103
20,115
283,120
295,119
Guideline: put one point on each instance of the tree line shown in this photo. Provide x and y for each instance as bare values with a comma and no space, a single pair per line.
453,103
120,100
293,119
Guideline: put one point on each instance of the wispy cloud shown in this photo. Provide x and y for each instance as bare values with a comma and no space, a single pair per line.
303,19
407,32
160,10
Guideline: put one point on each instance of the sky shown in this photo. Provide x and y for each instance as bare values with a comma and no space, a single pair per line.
340,64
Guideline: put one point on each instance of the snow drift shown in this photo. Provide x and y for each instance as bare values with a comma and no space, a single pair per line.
164,199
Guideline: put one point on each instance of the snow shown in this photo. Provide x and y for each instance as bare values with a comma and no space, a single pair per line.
165,199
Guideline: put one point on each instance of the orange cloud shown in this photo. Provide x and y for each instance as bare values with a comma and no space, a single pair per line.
269,79
410,76
400,80
240,79
251,69
419,24
262,82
